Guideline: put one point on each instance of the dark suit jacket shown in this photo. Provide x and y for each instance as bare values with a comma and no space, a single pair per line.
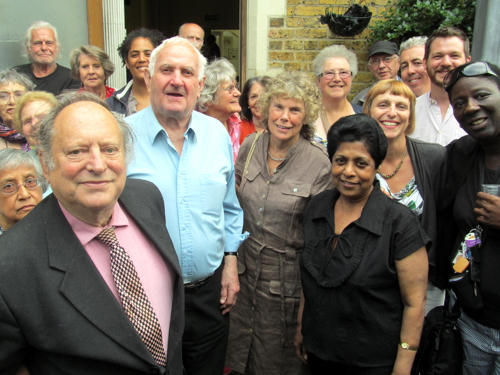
57,314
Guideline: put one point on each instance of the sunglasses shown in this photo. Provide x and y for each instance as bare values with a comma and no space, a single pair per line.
475,69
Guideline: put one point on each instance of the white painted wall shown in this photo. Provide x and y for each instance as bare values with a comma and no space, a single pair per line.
68,16
259,14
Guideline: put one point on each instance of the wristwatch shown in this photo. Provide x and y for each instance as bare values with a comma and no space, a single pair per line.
407,346
235,253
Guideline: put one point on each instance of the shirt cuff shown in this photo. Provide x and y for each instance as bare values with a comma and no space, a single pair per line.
233,242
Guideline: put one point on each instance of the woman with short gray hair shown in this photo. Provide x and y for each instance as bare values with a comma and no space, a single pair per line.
334,68
220,99
13,85
92,66
20,186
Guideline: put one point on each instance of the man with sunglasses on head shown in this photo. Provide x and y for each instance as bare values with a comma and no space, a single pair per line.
383,62
446,49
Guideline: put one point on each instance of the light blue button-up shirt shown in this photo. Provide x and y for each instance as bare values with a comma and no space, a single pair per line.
204,218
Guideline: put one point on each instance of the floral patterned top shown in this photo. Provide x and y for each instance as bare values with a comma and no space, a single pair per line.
409,195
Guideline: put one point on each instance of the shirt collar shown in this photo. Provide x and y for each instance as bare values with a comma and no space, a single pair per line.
372,216
154,127
86,232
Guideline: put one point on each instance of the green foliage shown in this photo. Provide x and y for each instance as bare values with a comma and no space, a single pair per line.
409,18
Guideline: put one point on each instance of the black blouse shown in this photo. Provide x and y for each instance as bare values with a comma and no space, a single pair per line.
353,308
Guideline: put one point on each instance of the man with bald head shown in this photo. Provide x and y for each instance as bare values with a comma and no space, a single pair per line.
193,33
90,281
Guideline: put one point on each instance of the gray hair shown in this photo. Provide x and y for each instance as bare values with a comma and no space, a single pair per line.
336,50
46,132
92,51
36,26
177,40
412,42
218,72
13,76
12,158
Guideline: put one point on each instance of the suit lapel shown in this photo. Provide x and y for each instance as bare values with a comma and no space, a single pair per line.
83,285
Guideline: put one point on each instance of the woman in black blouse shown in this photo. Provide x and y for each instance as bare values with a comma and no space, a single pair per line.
474,91
364,265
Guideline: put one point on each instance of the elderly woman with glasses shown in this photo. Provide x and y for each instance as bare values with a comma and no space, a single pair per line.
334,68
219,98
20,186
13,85
474,181
92,66
278,172
363,267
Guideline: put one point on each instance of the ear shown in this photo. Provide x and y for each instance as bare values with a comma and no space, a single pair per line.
127,64
469,58
147,79
202,84
45,169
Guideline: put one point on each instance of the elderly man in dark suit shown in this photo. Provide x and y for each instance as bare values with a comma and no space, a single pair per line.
90,282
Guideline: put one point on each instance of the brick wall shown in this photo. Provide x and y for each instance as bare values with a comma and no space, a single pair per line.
297,38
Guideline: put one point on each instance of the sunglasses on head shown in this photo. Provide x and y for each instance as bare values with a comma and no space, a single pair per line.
475,69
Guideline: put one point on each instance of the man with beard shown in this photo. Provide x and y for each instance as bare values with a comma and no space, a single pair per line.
446,49
42,48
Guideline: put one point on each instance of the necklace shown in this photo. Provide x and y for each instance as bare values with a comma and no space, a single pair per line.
273,158
387,176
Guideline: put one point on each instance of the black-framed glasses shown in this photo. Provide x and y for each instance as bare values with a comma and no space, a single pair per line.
231,88
11,188
475,69
343,74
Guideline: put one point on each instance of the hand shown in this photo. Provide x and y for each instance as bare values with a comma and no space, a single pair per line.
300,350
230,284
488,209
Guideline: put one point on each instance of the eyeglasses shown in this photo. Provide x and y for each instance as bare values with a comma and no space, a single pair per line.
385,60
231,88
30,183
475,69
6,95
343,74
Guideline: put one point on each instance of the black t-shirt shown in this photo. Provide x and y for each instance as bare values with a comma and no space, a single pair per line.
55,82
489,265
353,308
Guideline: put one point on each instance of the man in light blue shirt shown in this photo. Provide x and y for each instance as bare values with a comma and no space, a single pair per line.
189,157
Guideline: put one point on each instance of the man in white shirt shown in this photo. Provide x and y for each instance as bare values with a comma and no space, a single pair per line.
446,49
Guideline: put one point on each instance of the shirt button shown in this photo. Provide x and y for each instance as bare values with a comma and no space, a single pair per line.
267,182
295,190
258,223
290,291
250,330
263,196
251,320
253,308
260,209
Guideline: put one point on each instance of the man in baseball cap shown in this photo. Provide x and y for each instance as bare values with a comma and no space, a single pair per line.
383,62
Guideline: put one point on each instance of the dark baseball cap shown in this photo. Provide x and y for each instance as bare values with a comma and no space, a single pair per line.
384,46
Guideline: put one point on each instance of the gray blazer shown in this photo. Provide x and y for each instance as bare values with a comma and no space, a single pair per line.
57,314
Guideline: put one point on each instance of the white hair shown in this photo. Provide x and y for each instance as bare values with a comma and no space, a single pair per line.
177,40
36,26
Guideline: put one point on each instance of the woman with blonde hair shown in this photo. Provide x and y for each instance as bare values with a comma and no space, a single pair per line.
278,172
412,172
30,111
